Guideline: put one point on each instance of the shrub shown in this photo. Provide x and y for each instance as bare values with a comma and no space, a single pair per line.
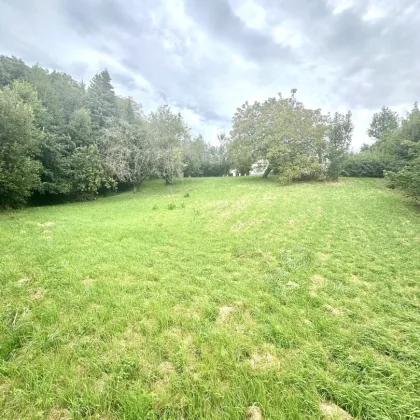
408,177
367,165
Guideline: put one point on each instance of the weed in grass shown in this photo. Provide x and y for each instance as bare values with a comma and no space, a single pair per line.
277,302
171,206
186,195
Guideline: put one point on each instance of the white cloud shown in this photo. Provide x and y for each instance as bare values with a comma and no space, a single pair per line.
251,13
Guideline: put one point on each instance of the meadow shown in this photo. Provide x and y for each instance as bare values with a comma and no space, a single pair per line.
232,298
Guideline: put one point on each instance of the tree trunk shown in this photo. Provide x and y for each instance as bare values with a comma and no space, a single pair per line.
267,171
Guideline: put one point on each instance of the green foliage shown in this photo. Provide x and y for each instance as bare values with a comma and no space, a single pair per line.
382,122
171,206
366,164
86,173
19,143
101,99
91,141
339,140
127,151
395,152
410,127
293,141
408,177
80,128
60,95
11,68
168,134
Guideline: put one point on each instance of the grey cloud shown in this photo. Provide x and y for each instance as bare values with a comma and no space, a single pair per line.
221,22
89,16
341,59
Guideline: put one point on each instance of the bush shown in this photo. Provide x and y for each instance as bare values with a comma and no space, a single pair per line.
408,177
368,165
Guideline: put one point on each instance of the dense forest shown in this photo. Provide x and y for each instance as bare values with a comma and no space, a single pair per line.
63,140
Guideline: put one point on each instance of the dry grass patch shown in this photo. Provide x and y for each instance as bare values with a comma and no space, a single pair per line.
248,224
224,313
334,311
331,411
23,281
356,280
88,281
183,312
59,414
265,359
165,371
254,413
291,285
318,282
38,294
324,257
47,224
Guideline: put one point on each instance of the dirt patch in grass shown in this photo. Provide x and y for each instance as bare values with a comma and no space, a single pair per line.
38,294
23,281
331,411
254,413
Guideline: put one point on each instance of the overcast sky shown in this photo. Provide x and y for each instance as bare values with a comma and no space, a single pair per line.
206,57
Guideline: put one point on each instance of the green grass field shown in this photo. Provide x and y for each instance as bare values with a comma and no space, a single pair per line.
248,300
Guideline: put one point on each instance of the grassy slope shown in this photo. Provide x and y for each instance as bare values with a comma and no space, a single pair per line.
253,293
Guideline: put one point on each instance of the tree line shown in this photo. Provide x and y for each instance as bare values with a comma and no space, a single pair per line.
60,138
